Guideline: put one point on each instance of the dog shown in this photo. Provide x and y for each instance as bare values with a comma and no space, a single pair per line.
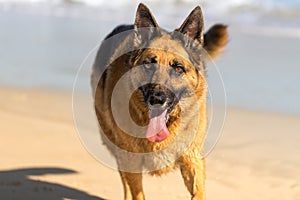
155,79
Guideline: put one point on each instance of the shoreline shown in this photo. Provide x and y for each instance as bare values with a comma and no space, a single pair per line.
259,71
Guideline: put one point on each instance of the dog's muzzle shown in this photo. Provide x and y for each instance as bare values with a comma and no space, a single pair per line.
158,95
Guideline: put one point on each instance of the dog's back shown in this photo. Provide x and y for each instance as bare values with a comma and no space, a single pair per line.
106,50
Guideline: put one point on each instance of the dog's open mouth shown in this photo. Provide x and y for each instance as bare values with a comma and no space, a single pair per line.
161,102
159,116
157,130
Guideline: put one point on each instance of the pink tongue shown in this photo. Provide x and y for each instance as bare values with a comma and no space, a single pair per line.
157,129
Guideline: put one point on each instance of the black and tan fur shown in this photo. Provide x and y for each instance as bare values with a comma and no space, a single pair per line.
166,53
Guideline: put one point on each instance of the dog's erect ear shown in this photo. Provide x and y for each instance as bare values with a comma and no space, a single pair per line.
144,18
145,25
193,26
215,39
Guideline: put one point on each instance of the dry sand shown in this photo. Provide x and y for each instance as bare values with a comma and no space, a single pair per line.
257,157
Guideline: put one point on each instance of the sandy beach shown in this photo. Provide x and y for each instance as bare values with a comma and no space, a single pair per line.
42,47
42,157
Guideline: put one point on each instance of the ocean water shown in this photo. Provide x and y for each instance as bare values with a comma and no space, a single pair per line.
266,12
43,43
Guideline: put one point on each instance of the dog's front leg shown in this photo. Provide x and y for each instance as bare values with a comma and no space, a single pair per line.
193,173
133,186
127,192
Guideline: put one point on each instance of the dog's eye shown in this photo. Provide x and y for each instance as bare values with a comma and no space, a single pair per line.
149,64
179,69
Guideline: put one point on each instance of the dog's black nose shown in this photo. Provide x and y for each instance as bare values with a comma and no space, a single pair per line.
158,98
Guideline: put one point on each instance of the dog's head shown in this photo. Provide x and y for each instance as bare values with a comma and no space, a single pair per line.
171,64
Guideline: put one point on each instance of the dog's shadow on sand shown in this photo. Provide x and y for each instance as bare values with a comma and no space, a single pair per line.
17,185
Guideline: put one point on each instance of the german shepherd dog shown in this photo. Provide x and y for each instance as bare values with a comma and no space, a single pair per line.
161,82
